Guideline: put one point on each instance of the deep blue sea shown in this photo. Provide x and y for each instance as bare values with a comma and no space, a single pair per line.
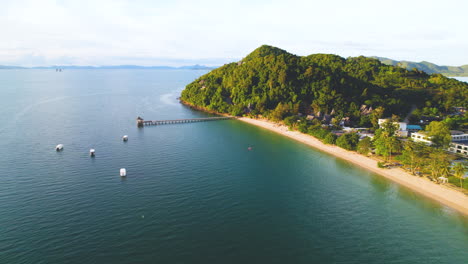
194,192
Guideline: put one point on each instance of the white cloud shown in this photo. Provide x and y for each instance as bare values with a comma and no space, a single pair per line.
151,32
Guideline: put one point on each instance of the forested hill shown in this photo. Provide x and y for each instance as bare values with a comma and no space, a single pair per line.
427,67
270,79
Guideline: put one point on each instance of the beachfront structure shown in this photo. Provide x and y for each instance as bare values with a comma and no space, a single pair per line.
402,130
140,121
459,148
458,135
442,180
362,131
459,143
421,137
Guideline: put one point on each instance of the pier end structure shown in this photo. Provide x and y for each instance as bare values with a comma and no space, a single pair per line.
140,122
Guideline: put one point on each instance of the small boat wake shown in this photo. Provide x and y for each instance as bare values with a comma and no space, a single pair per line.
169,99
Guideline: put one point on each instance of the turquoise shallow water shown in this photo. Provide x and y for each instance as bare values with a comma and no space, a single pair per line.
194,193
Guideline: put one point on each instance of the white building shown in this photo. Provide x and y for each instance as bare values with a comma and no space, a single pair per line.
459,143
401,127
421,137
459,136
459,148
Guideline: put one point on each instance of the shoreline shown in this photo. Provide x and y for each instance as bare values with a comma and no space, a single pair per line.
439,193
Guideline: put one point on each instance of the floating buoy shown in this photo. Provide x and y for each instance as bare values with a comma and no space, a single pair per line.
59,147
92,152
125,138
123,172
249,148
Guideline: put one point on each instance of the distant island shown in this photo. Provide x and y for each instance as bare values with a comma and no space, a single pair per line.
189,67
428,67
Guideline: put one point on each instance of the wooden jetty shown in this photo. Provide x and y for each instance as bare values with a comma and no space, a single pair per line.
141,122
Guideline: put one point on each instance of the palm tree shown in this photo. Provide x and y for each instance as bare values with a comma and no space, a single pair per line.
445,170
435,169
459,171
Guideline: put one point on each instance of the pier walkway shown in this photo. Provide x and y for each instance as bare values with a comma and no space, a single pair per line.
141,122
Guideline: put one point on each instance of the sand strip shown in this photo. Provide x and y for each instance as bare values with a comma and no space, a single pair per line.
452,198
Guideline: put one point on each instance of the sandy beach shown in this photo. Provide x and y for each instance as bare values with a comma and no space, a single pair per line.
440,193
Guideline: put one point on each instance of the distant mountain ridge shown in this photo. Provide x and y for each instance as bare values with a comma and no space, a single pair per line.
428,67
189,67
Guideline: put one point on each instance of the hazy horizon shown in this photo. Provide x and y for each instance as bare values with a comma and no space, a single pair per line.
152,33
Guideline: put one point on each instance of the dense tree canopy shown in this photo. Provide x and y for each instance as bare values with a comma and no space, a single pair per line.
276,84
439,133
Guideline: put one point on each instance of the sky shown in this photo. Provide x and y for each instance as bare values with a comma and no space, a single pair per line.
209,32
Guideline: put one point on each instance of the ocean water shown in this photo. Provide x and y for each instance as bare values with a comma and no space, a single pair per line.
194,192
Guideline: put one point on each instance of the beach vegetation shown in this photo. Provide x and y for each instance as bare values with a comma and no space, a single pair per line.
330,139
348,141
364,146
459,170
385,140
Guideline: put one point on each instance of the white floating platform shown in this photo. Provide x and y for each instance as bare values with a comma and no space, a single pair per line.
59,147
123,172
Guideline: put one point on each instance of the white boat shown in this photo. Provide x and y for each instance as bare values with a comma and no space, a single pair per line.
123,172
125,138
59,147
92,152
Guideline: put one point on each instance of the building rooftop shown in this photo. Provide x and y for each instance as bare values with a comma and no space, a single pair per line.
456,132
413,127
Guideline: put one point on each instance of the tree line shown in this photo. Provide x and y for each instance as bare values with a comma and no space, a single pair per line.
274,83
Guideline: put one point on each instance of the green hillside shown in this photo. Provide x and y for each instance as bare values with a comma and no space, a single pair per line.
427,67
274,83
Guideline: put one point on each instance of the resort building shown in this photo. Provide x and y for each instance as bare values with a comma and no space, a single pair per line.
458,135
459,148
401,125
413,128
421,137
361,131
459,143
404,130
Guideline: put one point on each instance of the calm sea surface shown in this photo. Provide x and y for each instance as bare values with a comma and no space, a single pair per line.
194,193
